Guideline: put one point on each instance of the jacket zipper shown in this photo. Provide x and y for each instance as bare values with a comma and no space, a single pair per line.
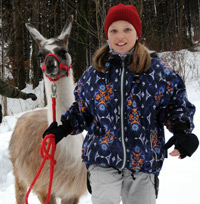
122,113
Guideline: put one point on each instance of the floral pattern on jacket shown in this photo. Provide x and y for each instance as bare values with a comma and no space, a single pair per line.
150,101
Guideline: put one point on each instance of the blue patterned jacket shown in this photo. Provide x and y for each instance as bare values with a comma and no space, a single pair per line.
125,113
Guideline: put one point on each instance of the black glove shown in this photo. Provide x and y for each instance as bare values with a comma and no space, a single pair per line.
186,143
1,114
32,96
59,131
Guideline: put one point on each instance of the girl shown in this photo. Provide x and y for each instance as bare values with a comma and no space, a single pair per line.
123,101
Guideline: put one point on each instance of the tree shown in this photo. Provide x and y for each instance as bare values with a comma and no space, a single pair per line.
34,58
19,30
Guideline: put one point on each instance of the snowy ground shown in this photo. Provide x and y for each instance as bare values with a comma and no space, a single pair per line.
179,179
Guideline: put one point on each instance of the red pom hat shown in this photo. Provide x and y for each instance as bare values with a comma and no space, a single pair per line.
126,13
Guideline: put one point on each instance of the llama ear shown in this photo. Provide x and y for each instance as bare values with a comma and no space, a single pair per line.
66,30
35,34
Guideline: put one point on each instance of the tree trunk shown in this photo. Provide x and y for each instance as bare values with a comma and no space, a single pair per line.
1,43
181,34
19,45
34,58
5,106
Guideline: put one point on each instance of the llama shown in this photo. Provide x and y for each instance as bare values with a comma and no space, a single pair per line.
70,173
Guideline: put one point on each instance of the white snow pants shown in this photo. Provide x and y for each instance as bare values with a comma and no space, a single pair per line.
109,186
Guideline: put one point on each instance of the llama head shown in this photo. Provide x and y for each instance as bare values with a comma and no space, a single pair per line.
55,60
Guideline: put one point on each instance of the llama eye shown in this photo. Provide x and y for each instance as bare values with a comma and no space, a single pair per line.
62,53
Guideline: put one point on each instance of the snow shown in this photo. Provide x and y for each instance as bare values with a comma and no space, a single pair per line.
179,179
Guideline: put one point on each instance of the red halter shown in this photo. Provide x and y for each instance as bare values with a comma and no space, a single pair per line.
61,66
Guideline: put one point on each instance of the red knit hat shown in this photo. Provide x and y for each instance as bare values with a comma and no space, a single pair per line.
126,13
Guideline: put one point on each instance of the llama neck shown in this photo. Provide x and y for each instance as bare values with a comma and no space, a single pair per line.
65,96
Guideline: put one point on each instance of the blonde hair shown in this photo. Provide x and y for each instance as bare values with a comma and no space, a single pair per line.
141,58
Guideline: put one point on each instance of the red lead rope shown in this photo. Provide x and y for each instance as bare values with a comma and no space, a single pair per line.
47,152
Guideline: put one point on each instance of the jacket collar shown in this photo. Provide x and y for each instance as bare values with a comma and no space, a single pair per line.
116,58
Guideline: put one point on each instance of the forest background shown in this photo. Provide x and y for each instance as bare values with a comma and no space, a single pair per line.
167,25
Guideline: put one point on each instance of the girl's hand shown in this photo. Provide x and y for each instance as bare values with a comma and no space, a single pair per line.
175,153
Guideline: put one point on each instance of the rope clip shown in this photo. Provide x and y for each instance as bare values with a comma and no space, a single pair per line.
54,90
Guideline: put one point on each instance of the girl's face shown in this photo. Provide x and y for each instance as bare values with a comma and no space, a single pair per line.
122,36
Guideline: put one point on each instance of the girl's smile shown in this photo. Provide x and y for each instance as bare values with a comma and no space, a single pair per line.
121,44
